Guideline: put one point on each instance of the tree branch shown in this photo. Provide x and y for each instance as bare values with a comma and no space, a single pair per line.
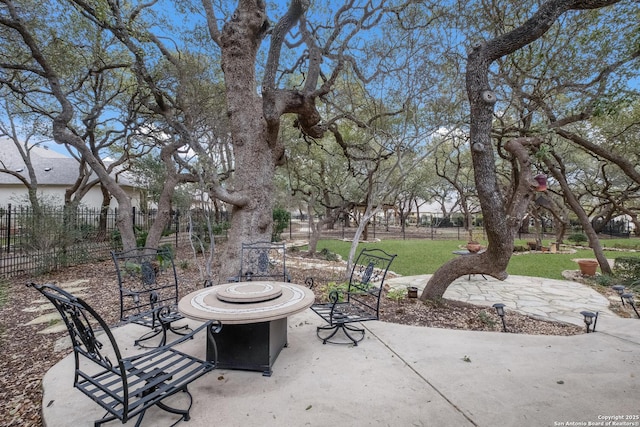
212,24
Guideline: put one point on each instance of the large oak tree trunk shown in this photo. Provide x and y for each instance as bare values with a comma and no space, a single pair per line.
255,144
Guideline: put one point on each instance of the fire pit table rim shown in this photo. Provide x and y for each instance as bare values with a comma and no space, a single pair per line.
254,331
205,305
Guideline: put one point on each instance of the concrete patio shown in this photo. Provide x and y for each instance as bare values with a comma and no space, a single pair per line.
404,375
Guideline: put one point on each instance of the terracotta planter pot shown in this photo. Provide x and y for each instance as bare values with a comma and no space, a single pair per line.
588,267
473,247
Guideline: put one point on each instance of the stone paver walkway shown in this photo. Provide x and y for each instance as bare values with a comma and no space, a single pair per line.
48,317
557,300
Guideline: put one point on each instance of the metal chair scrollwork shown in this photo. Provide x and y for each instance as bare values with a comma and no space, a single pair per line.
148,286
359,303
262,261
125,387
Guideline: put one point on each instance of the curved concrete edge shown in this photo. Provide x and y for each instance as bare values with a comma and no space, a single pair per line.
528,380
547,299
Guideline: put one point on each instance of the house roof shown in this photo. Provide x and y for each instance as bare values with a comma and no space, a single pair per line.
51,168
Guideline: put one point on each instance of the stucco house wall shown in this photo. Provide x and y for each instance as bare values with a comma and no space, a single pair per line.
55,173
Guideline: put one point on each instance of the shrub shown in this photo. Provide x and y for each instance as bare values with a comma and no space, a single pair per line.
577,238
281,219
396,294
328,255
486,319
333,286
605,280
627,269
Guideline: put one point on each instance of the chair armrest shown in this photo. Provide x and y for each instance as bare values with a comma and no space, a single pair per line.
132,294
309,282
213,328
335,297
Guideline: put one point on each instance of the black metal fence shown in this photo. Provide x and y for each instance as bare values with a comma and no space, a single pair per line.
33,244
59,237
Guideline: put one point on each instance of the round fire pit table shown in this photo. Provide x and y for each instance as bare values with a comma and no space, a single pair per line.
254,320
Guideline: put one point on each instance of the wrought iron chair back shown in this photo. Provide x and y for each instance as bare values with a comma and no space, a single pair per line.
124,386
359,303
148,286
262,261
367,278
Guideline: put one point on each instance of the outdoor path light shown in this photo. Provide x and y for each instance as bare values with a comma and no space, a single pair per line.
620,290
631,302
589,318
500,310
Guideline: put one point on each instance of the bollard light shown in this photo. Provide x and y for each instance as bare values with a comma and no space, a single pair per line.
630,300
620,290
500,310
590,318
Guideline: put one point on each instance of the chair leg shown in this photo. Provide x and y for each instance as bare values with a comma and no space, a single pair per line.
165,327
103,420
183,412
333,329
345,328
178,331
153,333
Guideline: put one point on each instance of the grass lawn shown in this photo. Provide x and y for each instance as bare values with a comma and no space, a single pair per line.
426,256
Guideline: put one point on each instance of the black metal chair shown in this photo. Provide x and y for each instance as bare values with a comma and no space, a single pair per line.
148,286
125,386
359,303
262,261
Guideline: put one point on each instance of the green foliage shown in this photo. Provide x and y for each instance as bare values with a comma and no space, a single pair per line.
58,235
542,153
606,280
633,244
200,230
281,218
627,270
577,238
328,255
417,257
396,294
141,237
486,319
50,229
116,239
325,290
220,228
166,252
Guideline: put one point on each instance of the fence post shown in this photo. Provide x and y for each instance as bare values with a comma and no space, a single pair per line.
9,228
177,226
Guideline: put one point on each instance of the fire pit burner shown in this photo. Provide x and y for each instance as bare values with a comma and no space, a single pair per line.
249,292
